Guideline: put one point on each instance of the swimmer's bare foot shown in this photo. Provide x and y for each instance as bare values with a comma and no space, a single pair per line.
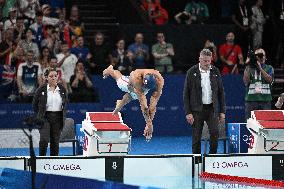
107,71
117,108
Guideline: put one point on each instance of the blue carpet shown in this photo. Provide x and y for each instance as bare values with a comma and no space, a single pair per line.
139,146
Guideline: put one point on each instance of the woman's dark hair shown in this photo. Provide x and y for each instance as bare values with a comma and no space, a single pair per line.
48,70
80,60
41,53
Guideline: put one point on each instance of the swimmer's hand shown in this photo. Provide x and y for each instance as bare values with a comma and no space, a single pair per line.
148,131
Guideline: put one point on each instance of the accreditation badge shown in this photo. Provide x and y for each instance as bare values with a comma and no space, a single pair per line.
258,88
282,15
245,21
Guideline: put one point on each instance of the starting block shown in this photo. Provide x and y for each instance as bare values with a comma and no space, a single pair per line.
105,134
267,129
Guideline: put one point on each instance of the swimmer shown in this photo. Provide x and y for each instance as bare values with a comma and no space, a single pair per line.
136,86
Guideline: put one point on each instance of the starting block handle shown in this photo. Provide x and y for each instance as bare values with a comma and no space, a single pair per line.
253,131
87,133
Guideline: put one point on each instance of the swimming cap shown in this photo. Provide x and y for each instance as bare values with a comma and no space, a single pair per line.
149,81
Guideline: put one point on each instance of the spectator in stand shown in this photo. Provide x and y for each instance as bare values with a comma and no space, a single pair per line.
67,35
82,52
149,5
18,57
159,16
60,75
100,54
9,56
163,53
29,77
8,73
11,21
76,25
230,55
240,18
67,62
47,19
212,47
5,6
47,40
37,28
257,22
52,40
19,29
138,52
44,58
195,12
28,44
28,9
119,59
258,78
6,45
57,6
62,22
276,10
82,86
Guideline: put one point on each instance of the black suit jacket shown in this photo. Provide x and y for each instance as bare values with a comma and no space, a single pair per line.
40,100
192,93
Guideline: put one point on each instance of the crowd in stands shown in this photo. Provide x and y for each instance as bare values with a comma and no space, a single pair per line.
38,34
250,17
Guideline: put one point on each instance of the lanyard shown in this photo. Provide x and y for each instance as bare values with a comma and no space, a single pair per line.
246,12
282,6
255,76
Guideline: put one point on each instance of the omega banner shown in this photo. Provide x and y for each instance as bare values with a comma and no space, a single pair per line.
75,167
165,171
254,166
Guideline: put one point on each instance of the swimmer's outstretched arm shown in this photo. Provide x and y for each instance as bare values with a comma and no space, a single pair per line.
144,107
155,98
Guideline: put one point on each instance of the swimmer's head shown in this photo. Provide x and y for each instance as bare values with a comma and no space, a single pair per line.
149,81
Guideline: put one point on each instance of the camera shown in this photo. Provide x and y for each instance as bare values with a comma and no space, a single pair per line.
259,55
253,61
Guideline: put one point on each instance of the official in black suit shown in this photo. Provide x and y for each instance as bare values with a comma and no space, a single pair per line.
49,103
204,100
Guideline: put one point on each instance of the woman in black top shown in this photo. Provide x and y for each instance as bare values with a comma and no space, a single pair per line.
49,104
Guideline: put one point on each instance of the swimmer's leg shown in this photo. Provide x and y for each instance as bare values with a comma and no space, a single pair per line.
109,71
120,103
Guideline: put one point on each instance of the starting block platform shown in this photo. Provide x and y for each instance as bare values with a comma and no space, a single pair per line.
105,134
267,129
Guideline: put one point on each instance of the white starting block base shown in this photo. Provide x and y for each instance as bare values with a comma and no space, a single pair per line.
267,129
109,137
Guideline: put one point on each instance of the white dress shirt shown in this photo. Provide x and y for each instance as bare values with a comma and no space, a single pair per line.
54,100
206,86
